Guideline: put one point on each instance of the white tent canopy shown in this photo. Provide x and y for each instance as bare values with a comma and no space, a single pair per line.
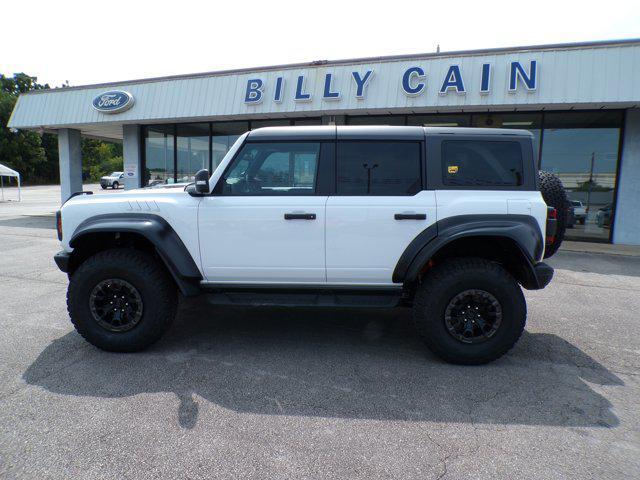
8,172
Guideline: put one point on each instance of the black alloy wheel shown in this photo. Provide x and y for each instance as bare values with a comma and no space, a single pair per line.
473,316
116,305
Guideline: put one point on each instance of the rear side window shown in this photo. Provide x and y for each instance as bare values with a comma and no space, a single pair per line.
481,163
378,168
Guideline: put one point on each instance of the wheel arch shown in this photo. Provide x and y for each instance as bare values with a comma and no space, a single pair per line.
146,232
512,240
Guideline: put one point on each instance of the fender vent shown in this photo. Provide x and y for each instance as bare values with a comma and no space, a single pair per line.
143,206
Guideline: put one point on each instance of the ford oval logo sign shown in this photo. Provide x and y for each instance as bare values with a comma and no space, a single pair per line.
115,101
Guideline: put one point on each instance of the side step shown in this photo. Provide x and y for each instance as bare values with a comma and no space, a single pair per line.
290,296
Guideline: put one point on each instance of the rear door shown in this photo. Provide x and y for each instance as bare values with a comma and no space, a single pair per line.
378,205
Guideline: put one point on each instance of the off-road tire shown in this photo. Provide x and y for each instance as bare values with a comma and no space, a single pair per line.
555,196
147,275
446,280
115,185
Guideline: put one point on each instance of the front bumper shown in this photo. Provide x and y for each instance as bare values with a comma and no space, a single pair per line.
62,259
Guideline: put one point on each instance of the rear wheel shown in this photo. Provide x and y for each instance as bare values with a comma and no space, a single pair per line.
115,185
469,311
121,300
555,196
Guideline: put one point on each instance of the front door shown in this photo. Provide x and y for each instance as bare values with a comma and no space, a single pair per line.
379,207
265,223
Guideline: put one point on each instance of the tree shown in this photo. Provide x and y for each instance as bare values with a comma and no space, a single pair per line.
21,150
20,83
36,156
100,158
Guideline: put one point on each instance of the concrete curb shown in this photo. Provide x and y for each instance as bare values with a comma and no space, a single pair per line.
601,248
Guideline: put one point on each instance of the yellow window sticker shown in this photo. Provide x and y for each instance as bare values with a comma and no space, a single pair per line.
452,169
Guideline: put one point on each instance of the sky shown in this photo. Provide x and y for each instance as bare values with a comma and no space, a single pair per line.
86,42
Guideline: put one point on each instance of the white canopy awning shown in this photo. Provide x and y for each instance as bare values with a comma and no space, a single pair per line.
8,172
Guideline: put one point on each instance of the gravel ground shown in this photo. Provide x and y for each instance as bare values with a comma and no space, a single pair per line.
299,393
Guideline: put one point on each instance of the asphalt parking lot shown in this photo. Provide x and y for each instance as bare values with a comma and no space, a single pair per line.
299,393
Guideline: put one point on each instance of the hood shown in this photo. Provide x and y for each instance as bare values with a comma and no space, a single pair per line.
165,186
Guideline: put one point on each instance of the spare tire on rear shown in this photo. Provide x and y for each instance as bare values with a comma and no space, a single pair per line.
555,196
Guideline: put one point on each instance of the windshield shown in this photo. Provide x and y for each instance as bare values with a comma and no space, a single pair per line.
115,174
575,203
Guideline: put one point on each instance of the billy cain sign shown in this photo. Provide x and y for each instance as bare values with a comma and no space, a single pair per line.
413,82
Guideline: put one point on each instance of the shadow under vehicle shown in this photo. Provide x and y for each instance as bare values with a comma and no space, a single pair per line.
341,363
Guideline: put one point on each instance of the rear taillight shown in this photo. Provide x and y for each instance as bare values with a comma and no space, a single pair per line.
59,224
552,219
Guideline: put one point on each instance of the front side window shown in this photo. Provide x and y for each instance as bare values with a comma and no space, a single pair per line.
481,163
378,168
273,169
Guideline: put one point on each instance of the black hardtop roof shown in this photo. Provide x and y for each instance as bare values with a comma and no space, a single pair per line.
371,132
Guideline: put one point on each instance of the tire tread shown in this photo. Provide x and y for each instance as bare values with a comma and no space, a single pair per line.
153,273
424,294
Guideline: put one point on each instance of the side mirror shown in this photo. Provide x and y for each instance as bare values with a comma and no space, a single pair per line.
202,181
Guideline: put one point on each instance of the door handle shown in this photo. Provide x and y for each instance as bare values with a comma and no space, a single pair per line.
299,216
410,216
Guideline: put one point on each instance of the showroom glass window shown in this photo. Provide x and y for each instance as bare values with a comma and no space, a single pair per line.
159,154
523,121
223,136
582,149
451,120
376,120
192,150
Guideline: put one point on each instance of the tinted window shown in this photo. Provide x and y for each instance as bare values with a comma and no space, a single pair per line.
273,169
378,168
481,163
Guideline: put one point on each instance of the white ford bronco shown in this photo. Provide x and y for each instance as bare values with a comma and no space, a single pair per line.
449,221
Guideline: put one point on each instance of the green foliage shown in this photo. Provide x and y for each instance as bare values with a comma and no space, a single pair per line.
20,83
21,150
100,158
35,156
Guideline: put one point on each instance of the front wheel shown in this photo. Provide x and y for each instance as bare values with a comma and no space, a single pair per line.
104,187
469,311
121,300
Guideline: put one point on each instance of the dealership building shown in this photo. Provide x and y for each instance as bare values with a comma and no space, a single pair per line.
581,101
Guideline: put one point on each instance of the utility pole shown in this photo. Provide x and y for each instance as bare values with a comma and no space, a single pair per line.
368,168
593,158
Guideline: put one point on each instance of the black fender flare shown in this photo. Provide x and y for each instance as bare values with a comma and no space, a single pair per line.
170,248
522,229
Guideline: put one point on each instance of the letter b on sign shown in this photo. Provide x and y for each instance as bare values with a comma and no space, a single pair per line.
254,91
